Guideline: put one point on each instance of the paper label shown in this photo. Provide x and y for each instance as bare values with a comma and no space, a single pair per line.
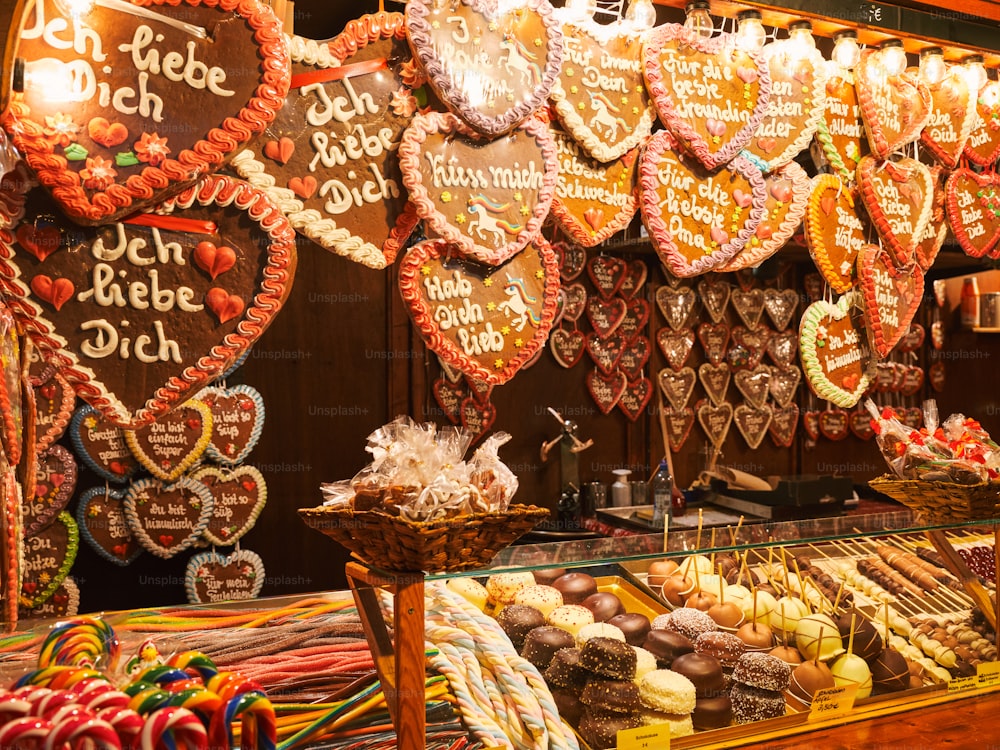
830,703
656,737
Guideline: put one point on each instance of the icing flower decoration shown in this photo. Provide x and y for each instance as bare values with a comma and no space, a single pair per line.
459,218
98,174
411,74
403,103
61,128
498,363
151,149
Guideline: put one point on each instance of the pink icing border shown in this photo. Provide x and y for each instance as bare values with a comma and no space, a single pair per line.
691,139
878,141
423,316
954,213
418,32
907,167
873,317
968,120
652,216
925,256
410,151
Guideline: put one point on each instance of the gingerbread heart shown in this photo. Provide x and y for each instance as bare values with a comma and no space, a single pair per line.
894,108
677,386
752,422
783,348
635,398
913,380
491,64
834,231
636,317
607,273
983,146
54,401
606,389
575,302
834,351
780,305
929,244
784,384
211,578
594,200
331,161
486,322
634,357
55,480
859,422
841,131
749,346
678,425
237,421
100,514
694,81
972,204
749,305
676,304
953,113
101,446
567,346
64,602
913,339
600,95
48,556
477,417
937,376
715,380
715,421
172,121
635,278
715,295
449,395
606,315
833,424
170,446
605,351
239,494
784,424
714,337
899,198
891,297
676,346
480,390
698,219
140,335
810,423
755,385
168,518
912,417
571,258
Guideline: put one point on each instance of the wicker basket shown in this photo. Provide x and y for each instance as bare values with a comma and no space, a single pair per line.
453,544
942,501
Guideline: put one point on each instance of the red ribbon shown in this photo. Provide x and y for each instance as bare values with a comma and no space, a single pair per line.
335,74
173,223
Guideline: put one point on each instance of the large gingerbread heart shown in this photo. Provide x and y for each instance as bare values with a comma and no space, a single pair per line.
136,110
211,577
237,421
972,204
841,132
240,494
895,108
487,197
139,317
55,480
834,351
594,200
101,446
170,446
834,231
698,219
983,146
168,518
796,105
899,197
329,158
491,63
48,557
953,113
54,401
710,92
600,95
891,297
486,322
100,514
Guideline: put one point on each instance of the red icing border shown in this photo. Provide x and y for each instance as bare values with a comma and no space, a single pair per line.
954,212
206,155
873,317
901,168
980,123
879,142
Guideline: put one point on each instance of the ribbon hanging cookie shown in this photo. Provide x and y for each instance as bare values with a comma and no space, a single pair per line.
237,421
211,577
675,304
143,109
635,398
834,230
899,197
168,518
953,113
715,421
752,422
571,259
891,296
567,347
972,205
171,445
841,131
606,389
48,557
239,494
678,424
895,108
834,351
676,346
983,146
55,481
100,515
101,446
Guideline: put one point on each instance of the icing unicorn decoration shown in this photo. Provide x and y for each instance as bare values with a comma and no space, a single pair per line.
606,120
520,59
518,304
484,222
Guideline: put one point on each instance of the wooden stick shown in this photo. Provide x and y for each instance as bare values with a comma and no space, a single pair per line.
970,582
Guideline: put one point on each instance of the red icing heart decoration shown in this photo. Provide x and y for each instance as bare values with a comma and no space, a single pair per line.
715,295
891,297
784,423
567,346
571,258
676,346
485,322
635,398
54,403
606,390
214,260
606,315
211,577
715,421
679,424
834,352
40,239
607,274
841,131
692,215
55,480
899,198
953,113
972,204
167,518
983,146
170,446
834,231
491,64
303,187
139,335
752,422
709,92
226,306
675,304
487,197
280,150
239,495
57,292
715,380
833,424
449,395
677,386
895,108
605,351
170,125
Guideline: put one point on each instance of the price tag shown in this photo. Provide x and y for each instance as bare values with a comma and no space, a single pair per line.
959,684
655,737
988,674
830,703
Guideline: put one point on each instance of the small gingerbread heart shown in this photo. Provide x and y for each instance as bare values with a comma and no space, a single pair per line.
834,351
100,513
567,346
677,386
679,424
676,346
752,422
607,273
715,294
714,337
170,446
715,421
168,518
211,578
784,424
606,389
239,494
754,385
715,380
635,398
675,304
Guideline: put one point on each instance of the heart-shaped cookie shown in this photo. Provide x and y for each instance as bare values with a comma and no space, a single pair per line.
749,305
605,351
783,348
913,380
449,395
698,219
678,426
894,108
913,339
571,258
237,421
835,233
676,304
100,514
972,204
755,385
899,198
55,481
634,357
168,518
749,346
594,200
784,384
329,158
912,417
486,197
486,322
574,302
953,113
477,416
492,64
841,131
833,424
54,401
780,305
636,318
146,327
600,95
713,338
144,111
567,346
676,346
635,398
983,146
752,422
711,93
834,351
607,273
606,389
715,421
635,278
784,424
479,389
101,446
64,602
606,315
859,422
810,423
715,380
891,297
170,446
48,556
677,386
937,376
929,244
211,578
715,294
239,495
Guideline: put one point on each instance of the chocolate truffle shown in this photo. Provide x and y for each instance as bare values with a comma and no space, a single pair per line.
517,620
616,696
712,713
703,670
541,644
752,704
634,625
609,658
763,671
565,671
575,587
667,645
599,729
604,605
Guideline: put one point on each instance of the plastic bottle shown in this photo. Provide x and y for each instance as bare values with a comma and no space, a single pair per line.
662,492
970,303
621,492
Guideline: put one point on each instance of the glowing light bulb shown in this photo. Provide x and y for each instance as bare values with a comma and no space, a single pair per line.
846,52
975,72
892,56
50,78
932,67
641,14
750,33
800,39
698,19
581,8
77,9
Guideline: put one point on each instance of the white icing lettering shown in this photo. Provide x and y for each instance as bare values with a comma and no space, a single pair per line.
195,73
